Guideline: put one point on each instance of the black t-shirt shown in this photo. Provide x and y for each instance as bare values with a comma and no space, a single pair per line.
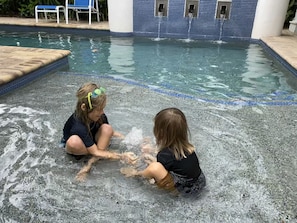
74,126
186,167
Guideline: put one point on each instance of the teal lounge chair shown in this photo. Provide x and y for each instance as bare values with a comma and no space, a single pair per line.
83,6
49,9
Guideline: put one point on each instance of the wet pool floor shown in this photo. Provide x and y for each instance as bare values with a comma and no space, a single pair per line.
246,152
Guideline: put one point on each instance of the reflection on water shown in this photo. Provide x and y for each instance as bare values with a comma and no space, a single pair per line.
120,57
257,74
238,147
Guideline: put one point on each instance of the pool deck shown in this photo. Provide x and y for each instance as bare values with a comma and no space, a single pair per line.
285,46
18,61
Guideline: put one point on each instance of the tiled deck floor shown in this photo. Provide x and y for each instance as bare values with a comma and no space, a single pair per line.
18,61
11,67
52,23
285,46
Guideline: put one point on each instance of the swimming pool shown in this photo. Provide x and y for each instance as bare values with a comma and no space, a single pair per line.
237,72
247,152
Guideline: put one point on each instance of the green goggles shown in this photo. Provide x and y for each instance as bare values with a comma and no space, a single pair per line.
97,92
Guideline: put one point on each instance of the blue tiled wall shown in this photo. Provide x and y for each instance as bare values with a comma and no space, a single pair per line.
206,26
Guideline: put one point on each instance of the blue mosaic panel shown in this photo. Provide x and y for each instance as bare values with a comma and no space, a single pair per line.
204,26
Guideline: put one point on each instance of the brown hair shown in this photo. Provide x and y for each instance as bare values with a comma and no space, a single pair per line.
171,131
82,98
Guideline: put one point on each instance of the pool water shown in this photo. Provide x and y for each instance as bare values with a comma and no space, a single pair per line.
238,72
248,153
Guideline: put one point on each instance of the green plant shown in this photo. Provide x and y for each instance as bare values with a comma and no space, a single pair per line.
103,9
27,9
24,8
10,7
290,12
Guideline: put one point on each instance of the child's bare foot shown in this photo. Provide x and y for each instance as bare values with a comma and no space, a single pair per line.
81,177
82,174
128,171
118,135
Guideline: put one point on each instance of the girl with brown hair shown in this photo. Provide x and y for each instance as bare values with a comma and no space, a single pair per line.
176,167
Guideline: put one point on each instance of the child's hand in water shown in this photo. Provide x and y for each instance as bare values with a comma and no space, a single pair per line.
149,158
129,171
129,157
147,147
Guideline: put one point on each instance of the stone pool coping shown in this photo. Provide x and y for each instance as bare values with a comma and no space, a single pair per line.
284,47
20,65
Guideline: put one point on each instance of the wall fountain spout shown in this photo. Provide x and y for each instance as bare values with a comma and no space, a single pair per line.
191,9
161,10
223,13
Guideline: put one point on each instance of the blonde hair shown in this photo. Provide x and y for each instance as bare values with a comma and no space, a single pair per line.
171,131
82,98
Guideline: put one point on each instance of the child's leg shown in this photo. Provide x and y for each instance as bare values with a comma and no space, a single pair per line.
154,170
75,146
103,136
162,177
81,175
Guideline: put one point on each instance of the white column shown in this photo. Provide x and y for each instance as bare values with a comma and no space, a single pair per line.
269,18
120,16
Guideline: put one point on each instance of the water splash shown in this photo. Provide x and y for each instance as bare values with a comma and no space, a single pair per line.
133,138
